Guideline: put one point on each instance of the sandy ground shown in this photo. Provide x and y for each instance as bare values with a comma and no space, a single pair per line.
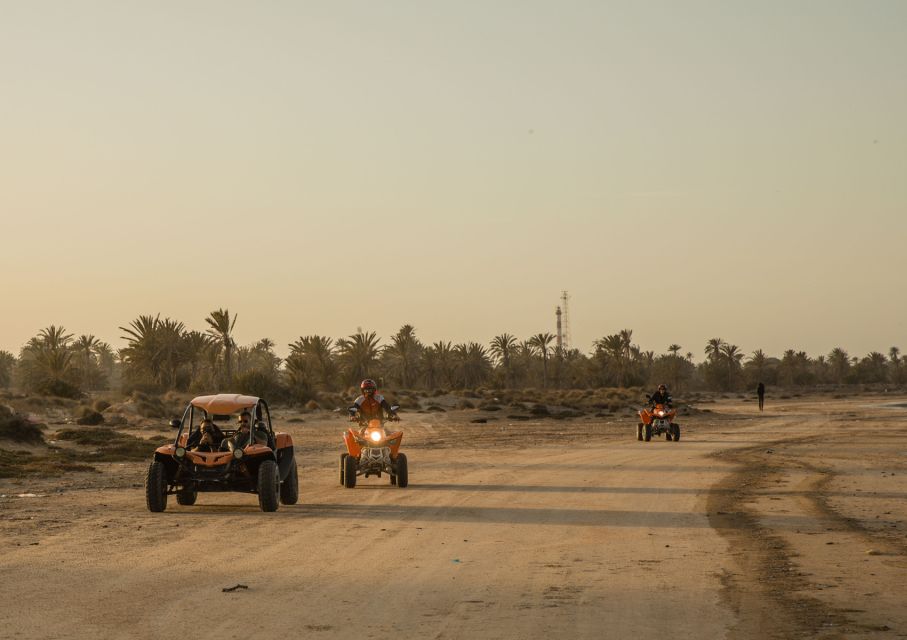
787,524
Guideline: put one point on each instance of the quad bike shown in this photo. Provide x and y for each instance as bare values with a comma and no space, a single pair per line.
658,420
372,451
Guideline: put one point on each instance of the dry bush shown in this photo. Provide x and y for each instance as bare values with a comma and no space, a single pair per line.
17,428
14,464
111,446
100,405
311,405
88,416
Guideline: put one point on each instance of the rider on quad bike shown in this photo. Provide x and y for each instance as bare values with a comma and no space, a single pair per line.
371,405
661,397
658,417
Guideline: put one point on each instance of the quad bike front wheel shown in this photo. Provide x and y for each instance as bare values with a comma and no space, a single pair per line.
156,487
639,431
350,467
289,488
187,496
647,432
402,471
268,486
676,432
343,457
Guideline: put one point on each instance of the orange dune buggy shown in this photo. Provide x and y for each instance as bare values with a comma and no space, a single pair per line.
370,450
657,420
206,457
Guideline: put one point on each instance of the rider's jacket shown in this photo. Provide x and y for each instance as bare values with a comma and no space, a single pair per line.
662,398
373,407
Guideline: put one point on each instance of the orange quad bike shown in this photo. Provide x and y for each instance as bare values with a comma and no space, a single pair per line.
658,420
370,450
260,461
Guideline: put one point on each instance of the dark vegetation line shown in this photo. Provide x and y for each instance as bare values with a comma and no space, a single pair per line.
163,355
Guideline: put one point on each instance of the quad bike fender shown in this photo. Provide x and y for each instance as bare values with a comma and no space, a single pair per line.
283,440
285,461
397,437
351,445
645,416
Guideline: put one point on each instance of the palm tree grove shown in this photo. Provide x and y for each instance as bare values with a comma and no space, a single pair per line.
163,355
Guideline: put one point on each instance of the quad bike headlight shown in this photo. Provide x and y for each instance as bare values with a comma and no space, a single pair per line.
180,452
375,436
237,453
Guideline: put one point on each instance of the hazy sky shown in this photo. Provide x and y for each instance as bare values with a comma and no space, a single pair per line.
685,169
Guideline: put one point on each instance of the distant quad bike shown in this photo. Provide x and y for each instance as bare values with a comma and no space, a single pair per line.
260,462
657,420
370,450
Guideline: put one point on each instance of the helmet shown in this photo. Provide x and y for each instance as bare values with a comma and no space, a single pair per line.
662,387
368,386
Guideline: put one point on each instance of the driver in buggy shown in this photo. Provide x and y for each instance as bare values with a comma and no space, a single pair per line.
243,434
371,405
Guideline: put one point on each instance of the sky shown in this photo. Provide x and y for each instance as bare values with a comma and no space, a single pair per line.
685,170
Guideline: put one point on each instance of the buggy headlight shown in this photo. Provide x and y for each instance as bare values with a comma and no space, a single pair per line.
180,452
375,436
237,453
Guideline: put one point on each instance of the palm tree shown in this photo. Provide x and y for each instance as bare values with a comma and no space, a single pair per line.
503,348
610,349
473,364
839,361
732,356
7,362
318,354
894,357
438,363
84,348
221,328
196,346
358,355
674,349
403,355
541,342
713,349
46,363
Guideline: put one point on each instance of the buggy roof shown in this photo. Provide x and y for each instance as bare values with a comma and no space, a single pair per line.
223,403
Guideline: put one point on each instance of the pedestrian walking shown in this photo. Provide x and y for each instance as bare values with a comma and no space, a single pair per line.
760,391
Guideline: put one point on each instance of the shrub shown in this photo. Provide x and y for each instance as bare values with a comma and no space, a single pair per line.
17,428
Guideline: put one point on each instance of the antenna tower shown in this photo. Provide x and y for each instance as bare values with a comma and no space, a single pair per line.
560,334
566,320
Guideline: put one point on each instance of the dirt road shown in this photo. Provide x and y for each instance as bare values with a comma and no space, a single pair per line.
787,524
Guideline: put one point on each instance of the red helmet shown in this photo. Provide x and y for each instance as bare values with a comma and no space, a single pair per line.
368,386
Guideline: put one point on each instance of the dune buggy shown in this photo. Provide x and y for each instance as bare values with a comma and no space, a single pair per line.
258,461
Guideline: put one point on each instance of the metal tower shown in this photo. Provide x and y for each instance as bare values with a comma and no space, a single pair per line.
566,321
560,335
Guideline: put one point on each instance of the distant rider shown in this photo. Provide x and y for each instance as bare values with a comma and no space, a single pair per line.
371,405
661,397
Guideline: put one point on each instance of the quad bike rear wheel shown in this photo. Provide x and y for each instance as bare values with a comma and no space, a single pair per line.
187,496
647,432
402,471
268,486
289,488
156,487
350,466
